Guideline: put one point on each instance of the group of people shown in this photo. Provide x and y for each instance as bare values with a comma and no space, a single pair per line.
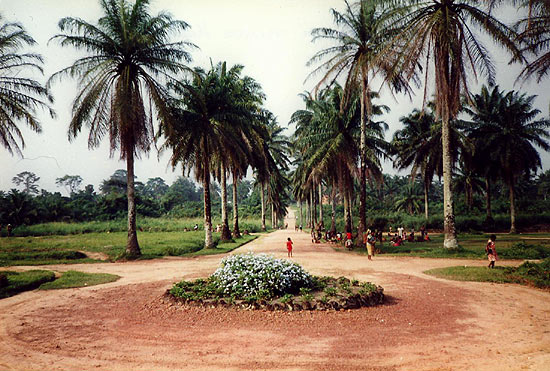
397,239
371,237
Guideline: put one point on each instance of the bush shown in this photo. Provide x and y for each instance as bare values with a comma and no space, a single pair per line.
521,250
260,275
538,274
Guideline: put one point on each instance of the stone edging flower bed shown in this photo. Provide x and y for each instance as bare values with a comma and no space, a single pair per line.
327,293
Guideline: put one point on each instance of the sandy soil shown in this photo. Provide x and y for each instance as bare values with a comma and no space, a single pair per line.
426,324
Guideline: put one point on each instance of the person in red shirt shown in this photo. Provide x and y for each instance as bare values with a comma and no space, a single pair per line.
289,247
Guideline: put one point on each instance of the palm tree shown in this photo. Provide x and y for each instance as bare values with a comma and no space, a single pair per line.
409,199
508,135
198,134
19,96
418,145
535,34
443,31
363,31
128,53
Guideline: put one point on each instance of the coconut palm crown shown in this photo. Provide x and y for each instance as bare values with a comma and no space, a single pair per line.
19,96
128,56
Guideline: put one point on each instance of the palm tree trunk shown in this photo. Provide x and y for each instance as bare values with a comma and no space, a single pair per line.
208,243
132,245
489,216
448,212
426,190
301,214
226,235
347,212
272,216
311,209
333,211
365,111
262,198
321,204
236,231
513,229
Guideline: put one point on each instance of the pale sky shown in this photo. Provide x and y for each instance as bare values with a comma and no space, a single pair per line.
271,38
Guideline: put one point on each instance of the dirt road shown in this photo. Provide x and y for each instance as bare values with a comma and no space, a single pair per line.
427,323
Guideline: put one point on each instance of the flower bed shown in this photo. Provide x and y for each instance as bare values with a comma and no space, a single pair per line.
262,282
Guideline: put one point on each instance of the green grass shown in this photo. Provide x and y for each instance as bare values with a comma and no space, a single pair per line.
12,283
66,249
120,225
472,246
529,273
71,279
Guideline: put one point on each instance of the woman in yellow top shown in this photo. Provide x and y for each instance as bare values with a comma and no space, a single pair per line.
370,241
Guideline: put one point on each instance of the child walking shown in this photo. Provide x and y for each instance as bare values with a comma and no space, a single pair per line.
491,251
289,247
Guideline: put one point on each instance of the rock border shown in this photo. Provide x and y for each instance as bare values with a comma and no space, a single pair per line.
318,299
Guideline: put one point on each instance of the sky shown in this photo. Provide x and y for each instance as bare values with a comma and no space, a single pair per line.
271,38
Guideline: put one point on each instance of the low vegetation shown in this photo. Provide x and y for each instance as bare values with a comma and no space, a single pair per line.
260,281
72,279
79,248
472,246
529,273
12,283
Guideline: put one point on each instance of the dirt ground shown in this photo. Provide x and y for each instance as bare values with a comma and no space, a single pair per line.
426,323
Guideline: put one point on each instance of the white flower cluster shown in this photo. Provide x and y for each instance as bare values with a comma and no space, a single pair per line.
259,275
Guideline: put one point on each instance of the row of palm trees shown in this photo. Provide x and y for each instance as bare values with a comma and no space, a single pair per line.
496,139
409,42
131,73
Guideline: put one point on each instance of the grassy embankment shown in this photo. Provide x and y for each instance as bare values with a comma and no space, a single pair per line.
529,273
62,243
12,283
472,246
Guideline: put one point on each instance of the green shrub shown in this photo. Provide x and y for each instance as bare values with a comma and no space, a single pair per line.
521,250
245,275
538,274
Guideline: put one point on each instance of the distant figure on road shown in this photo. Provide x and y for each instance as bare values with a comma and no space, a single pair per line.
289,247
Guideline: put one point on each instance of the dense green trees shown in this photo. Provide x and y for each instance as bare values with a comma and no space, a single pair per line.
506,131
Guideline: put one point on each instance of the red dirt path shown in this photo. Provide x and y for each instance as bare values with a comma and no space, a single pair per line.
426,324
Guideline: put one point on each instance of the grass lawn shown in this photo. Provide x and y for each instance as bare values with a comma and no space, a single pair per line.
535,246
12,283
72,279
70,248
529,273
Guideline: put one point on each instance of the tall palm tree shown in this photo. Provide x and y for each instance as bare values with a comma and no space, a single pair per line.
363,32
242,98
20,96
442,34
199,134
484,107
129,54
418,145
509,138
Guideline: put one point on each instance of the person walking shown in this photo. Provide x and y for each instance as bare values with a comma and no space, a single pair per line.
289,247
491,251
